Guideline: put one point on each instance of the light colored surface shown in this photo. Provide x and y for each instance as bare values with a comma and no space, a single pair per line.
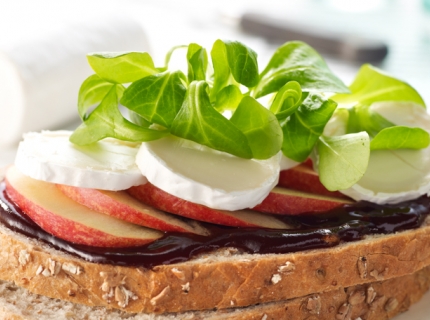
108,164
42,70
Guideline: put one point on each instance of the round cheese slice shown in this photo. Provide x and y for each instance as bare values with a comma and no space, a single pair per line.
205,176
107,165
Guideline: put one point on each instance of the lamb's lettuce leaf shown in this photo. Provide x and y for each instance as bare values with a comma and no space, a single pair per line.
232,59
91,92
297,61
198,121
106,121
363,118
156,98
260,127
228,98
197,58
400,137
122,67
287,100
343,159
373,85
303,128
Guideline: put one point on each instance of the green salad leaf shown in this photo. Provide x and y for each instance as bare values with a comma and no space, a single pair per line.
198,121
197,62
228,98
362,118
138,119
287,100
373,85
106,121
343,159
156,98
260,127
243,63
122,67
92,91
303,128
297,61
400,137
221,75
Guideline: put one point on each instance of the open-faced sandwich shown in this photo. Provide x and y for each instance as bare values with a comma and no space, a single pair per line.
182,195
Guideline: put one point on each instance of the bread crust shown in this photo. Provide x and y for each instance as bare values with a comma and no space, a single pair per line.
227,278
373,301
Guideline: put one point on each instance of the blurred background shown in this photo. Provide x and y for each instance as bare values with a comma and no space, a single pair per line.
43,44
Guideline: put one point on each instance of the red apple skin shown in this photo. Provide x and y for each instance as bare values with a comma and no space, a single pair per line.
153,196
293,202
121,205
304,178
65,229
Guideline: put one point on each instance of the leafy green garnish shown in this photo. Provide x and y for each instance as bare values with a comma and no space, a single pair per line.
243,63
372,85
287,100
400,137
260,127
106,121
297,61
303,128
92,91
197,62
228,98
156,98
362,118
343,159
123,67
198,121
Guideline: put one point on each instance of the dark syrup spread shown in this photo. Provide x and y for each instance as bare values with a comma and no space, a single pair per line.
348,223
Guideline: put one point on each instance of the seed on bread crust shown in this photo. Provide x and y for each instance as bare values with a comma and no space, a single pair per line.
160,296
71,268
39,270
362,267
370,295
178,273
186,287
23,257
391,304
287,268
314,305
344,312
276,278
54,267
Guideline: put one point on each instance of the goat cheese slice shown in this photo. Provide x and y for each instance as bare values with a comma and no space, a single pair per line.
393,176
107,165
205,176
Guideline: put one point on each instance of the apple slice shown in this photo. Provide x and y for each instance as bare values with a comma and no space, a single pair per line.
153,196
121,205
293,202
66,219
304,178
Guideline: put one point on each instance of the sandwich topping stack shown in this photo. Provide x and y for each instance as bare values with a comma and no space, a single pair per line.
222,192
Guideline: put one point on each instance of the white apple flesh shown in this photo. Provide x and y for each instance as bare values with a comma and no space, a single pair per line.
121,205
59,215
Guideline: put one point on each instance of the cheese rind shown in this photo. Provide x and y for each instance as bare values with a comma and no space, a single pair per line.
107,165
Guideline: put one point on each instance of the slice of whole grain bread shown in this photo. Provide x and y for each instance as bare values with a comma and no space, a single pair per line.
373,301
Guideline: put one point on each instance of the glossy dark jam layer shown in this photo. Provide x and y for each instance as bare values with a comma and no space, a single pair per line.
348,223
